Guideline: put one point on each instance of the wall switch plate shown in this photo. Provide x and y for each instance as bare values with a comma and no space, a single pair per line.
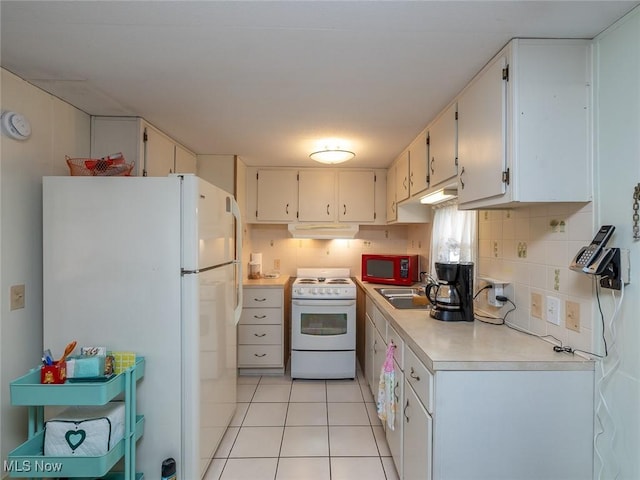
553,310
276,264
536,305
572,315
17,297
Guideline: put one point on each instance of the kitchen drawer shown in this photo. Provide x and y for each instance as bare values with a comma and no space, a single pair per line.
259,355
259,334
261,316
420,378
262,297
398,353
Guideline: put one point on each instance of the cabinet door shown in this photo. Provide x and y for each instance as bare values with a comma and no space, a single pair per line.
185,161
160,154
418,180
357,196
402,176
391,194
394,437
443,146
379,355
482,133
317,202
370,336
417,433
277,197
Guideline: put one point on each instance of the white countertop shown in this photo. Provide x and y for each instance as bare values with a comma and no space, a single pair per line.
472,345
279,282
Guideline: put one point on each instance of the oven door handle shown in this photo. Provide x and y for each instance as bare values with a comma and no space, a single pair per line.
326,303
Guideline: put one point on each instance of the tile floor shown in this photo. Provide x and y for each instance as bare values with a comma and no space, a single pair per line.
303,430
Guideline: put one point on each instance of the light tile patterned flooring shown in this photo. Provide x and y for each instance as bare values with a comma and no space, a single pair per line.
303,430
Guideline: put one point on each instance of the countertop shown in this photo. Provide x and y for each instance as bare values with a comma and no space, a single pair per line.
472,345
281,281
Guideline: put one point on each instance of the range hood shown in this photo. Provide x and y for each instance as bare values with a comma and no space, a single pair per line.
323,230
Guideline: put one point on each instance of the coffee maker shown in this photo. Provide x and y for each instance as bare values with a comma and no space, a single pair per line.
452,296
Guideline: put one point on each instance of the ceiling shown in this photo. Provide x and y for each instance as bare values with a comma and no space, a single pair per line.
267,79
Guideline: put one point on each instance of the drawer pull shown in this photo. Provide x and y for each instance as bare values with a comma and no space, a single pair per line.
395,392
260,335
412,374
260,355
260,317
259,299
406,407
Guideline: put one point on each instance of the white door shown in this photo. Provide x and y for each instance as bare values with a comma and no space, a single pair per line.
217,359
160,154
442,147
277,195
418,164
323,324
482,135
317,202
417,438
356,196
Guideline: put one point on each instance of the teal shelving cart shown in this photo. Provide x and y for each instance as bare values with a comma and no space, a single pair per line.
29,461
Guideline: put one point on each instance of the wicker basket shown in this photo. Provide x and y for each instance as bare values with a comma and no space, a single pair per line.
111,166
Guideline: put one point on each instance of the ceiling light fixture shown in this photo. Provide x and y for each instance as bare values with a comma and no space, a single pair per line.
439,196
332,155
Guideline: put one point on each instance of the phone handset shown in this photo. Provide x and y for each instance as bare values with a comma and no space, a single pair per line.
593,258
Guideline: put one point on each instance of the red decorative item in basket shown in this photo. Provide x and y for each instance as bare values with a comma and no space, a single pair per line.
113,165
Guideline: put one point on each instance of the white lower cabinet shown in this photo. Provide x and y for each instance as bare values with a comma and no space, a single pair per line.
395,436
260,330
417,436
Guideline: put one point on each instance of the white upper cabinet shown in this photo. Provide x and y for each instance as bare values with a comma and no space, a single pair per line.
282,195
523,127
317,198
277,195
160,154
152,152
418,175
402,176
443,147
357,196
392,207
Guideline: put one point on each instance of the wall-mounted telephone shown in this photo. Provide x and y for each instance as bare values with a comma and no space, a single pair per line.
594,258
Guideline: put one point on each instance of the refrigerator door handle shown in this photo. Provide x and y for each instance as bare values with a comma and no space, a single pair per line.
233,208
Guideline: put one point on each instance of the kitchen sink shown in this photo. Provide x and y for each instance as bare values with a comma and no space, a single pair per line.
402,298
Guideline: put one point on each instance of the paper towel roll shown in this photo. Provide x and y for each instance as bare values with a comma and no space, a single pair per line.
256,258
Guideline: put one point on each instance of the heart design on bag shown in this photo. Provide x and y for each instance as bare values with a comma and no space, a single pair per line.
75,438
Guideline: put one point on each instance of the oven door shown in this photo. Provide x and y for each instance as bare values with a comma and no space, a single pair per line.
323,324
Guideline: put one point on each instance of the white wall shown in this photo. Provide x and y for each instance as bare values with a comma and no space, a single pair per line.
218,170
58,130
531,248
617,147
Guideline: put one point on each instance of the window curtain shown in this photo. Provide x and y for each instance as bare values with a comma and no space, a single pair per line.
453,237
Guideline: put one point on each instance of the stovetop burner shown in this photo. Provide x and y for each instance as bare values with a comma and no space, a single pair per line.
323,283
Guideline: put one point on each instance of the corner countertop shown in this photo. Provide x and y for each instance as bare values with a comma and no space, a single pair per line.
472,345
279,282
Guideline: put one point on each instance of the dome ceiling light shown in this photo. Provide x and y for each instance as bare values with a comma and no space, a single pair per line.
332,155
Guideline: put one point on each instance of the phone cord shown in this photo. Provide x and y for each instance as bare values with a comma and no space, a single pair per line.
636,216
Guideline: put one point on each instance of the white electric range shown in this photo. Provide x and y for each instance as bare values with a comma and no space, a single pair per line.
323,324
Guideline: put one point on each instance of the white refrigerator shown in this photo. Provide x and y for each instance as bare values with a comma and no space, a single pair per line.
150,265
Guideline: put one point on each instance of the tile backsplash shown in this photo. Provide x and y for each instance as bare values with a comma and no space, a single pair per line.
531,249
277,246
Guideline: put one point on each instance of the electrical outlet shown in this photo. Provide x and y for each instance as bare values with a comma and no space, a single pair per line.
553,310
536,305
17,297
276,264
572,315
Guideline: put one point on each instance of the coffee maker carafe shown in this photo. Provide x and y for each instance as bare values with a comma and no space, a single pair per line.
452,296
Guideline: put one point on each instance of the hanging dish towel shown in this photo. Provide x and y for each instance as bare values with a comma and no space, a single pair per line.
386,399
